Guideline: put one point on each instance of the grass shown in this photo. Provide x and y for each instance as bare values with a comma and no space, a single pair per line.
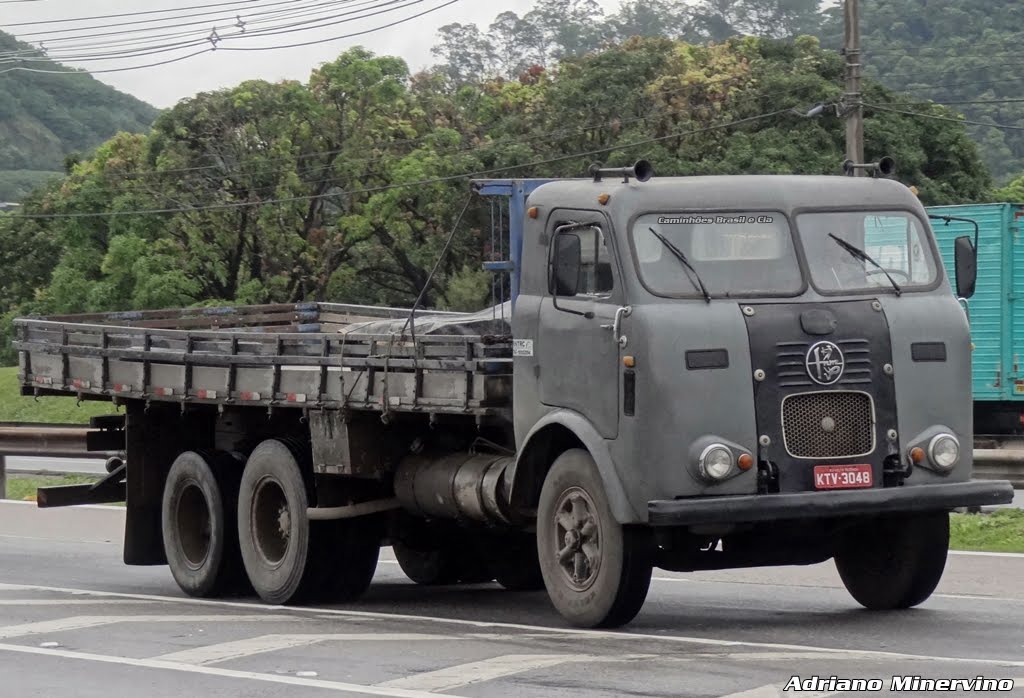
51,410
1002,531
23,487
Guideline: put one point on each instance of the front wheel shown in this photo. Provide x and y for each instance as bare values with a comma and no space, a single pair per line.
894,562
596,571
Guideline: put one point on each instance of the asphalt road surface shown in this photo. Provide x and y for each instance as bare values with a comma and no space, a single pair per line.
75,622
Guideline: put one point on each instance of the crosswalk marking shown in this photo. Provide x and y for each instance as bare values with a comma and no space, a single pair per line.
337,686
79,622
226,651
486,670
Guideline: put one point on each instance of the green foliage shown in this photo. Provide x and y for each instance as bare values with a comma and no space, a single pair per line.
23,487
948,50
45,116
52,410
346,188
999,532
1012,192
17,184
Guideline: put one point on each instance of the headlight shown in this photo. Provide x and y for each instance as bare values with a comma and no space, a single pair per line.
944,452
716,463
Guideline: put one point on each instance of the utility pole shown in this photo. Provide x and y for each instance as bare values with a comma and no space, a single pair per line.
853,97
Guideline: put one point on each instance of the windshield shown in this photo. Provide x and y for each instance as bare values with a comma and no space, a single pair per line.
893,239
734,254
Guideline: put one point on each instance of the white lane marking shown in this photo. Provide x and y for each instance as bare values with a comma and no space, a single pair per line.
462,675
773,691
978,553
224,673
70,602
721,582
226,651
687,580
34,505
575,632
79,622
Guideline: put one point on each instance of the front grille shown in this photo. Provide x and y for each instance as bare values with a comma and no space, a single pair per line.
791,363
833,424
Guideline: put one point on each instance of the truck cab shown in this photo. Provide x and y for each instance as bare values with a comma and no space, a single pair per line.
757,369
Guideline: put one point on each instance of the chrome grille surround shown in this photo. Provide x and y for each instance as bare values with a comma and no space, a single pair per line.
806,416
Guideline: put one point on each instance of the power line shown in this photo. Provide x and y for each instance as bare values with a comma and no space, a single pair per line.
420,183
211,49
936,117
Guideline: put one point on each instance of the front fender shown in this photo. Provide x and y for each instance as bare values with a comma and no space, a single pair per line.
541,446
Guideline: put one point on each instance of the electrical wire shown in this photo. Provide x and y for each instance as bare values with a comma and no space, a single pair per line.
419,183
882,107
274,47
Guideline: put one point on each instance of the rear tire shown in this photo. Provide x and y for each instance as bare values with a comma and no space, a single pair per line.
894,562
198,521
438,565
515,564
597,571
290,559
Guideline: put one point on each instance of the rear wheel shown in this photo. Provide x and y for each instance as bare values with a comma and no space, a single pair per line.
894,562
290,559
198,520
514,562
436,563
597,572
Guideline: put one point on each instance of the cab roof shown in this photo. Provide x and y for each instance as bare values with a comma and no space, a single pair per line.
752,193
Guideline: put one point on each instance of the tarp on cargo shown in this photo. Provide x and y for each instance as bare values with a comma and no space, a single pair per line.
495,321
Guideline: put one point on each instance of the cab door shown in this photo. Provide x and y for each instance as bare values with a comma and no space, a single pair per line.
578,353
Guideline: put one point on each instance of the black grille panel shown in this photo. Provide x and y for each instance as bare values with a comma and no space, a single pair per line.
791,367
832,424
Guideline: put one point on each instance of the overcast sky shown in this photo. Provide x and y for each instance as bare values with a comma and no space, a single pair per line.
163,86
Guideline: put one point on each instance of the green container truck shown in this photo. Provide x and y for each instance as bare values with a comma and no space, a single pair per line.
996,310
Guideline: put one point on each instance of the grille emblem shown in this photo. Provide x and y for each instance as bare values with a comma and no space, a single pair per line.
828,424
825,363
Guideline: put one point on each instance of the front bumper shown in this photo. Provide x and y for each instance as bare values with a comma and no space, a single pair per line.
831,504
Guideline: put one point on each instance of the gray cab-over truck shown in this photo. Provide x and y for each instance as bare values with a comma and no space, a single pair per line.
698,373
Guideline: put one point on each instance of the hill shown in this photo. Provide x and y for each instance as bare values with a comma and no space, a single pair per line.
44,117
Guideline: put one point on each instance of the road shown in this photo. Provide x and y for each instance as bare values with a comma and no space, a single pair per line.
75,622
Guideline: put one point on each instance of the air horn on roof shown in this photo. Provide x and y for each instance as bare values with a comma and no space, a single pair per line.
642,171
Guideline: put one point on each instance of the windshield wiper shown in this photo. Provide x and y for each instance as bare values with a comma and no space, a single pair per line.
678,254
863,256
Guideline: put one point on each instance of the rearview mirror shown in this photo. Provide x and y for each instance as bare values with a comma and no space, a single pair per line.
966,263
565,268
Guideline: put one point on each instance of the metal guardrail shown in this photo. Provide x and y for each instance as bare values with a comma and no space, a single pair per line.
36,440
69,441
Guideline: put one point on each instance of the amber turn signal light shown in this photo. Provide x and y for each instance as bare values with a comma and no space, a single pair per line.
604,199
917,454
629,361
745,461
532,212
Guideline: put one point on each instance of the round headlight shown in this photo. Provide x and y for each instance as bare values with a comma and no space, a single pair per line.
944,451
716,462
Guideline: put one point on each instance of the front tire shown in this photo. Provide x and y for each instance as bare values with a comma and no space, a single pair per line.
198,521
596,571
894,562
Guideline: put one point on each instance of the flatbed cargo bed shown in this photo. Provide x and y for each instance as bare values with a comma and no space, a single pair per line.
309,355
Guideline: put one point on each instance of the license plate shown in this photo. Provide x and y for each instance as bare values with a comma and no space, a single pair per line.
842,477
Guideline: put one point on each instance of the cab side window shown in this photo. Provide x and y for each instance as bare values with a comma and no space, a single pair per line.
596,278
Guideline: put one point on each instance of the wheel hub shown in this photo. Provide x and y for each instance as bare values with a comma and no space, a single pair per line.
271,521
577,532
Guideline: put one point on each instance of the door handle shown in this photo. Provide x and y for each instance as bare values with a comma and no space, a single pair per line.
967,308
616,326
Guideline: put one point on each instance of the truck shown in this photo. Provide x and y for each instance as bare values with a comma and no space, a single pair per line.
997,328
693,373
